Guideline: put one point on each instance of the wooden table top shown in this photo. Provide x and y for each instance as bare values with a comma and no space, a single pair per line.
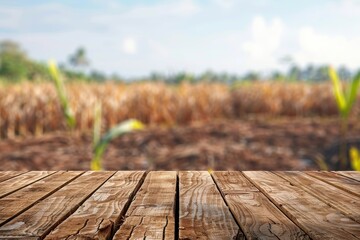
179,205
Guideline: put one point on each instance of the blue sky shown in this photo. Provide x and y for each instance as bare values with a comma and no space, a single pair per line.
134,38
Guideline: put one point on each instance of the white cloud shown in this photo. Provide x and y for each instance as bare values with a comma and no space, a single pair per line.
320,48
266,40
129,46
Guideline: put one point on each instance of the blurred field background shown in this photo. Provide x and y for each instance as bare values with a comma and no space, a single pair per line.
218,85
34,108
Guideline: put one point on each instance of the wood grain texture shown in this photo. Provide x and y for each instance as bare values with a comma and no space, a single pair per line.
5,175
143,227
203,213
97,205
99,215
41,218
19,201
345,202
13,184
316,218
257,216
345,183
350,174
154,201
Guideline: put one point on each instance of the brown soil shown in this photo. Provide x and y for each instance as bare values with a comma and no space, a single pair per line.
253,144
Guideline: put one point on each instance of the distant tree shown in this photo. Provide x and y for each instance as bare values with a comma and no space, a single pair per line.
208,76
321,73
251,76
13,61
79,59
277,76
308,73
116,77
180,77
344,73
156,77
97,76
294,73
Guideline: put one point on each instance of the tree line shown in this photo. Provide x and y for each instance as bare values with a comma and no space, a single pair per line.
16,66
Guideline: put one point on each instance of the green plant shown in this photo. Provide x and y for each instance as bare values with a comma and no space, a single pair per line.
355,158
60,89
345,99
97,123
118,130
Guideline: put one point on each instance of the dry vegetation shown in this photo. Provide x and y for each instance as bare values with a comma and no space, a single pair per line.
27,108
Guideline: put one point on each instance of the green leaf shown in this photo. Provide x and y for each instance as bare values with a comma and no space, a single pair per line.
61,92
97,123
352,93
118,130
355,158
338,91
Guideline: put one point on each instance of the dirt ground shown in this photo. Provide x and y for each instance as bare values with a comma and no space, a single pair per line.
252,144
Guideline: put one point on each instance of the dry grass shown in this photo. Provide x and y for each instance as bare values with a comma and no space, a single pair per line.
34,108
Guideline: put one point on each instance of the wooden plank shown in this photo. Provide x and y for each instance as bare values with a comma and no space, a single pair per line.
15,203
203,213
151,213
350,174
99,215
345,183
257,216
41,218
143,227
13,184
315,217
233,182
5,175
345,202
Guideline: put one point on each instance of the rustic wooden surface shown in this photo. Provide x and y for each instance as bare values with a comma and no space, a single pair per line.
179,205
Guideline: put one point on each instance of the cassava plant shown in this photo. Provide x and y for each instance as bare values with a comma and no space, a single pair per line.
61,92
345,99
118,130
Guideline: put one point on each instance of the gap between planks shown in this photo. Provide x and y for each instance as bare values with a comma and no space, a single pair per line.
337,180
101,215
5,175
152,212
14,204
343,201
63,204
256,215
16,183
316,218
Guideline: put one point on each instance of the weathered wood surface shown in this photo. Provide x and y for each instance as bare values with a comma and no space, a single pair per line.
351,174
345,183
5,175
23,180
98,216
315,217
203,213
17,202
151,215
41,218
257,216
343,201
179,205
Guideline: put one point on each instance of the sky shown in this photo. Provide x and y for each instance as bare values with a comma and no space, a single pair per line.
136,38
